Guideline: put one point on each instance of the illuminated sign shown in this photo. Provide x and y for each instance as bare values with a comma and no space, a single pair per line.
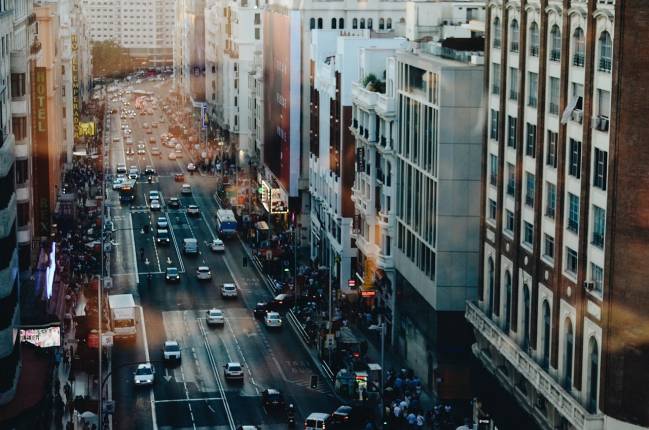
368,293
40,102
41,150
274,200
75,86
51,270
87,129
42,337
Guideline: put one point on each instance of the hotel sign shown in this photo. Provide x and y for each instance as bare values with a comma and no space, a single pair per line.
39,102
75,85
41,150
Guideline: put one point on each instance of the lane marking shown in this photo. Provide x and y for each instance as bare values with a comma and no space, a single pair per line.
154,419
132,238
199,399
173,238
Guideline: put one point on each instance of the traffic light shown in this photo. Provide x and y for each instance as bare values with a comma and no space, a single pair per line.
314,382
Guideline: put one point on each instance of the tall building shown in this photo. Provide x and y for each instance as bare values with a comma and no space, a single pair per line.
561,319
144,28
189,50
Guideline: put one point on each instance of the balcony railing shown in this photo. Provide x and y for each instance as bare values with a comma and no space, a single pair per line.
532,102
553,108
601,123
513,46
529,200
605,65
496,43
577,116
534,51
495,89
578,60
513,95
573,225
598,239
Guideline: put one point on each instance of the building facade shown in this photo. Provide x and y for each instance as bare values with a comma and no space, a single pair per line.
189,50
561,315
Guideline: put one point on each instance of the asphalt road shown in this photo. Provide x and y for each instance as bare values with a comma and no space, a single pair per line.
193,393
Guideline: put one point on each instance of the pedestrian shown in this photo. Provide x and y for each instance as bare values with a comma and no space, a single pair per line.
412,420
420,421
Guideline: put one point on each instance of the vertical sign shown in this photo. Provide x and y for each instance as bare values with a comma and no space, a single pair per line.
75,85
41,150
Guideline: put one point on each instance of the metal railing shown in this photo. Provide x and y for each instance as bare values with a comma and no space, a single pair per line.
555,55
605,65
578,60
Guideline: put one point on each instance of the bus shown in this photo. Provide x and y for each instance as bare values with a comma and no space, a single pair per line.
226,223
127,192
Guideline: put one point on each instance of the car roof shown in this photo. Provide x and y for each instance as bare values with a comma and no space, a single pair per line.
272,391
203,268
317,416
234,363
344,409
172,269
262,304
229,284
216,310
281,296
144,366
272,314
171,343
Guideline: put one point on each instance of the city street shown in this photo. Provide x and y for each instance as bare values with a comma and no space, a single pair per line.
194,392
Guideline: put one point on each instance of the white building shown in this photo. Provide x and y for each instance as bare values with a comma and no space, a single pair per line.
145,28
189,50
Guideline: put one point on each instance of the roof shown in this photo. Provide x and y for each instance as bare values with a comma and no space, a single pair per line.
317,416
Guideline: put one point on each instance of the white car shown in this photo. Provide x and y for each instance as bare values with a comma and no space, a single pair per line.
116,139
186,189
203,273
215,317
233,370
171,350
193,210
144,375
118,182
273,320
155,205
228,290
162,222
191,167
217,245
172,155
154,195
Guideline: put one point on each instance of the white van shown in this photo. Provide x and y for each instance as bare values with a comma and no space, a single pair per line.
316,421
190,246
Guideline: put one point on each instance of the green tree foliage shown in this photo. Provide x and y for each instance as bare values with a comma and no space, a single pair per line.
110,60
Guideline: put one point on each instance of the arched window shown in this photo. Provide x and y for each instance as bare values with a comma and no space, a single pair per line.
605,52
333,23
526,316
535,39
369,23
555,43
362,22
593,374
490,287
354,23
312,23
388,24
496,29
341,23
567,354
381,23
319,22
578,47
508,301
514,35
545,356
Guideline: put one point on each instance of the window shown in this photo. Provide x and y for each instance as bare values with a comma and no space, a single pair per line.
511,132
369,23
605,52
362,22
593,375
547,323
533,88
530,189
492,209
573,213
22,171
257,34
553,106
528,233
511,179
496,30
567,361
495,78
493,133
571,260
599,226
341,23
17,85
526,316
312,23
508,302
354,23
19,127
579,47
381,24
534,39
389,24
509,221
530,140
597,277
319,22
603,103
493,169
550,199
548,246
551,156
334,22
513,83
514,35
555,43
599,169
574,158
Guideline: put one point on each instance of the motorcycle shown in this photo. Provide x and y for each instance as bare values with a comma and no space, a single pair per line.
149,179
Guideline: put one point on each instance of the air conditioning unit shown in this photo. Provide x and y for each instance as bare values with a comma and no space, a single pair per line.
589,286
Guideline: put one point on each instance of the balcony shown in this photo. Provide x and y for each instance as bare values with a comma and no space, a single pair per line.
490,337
364,97
577,116
555,55
605,65
385,106
600,123
578,60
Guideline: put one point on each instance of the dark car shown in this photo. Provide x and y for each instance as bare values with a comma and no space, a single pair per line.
179,177
174,203
260,310
272,399
172,275
281,303
345,417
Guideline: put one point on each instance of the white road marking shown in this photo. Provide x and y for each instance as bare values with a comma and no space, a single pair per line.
200,399
148,359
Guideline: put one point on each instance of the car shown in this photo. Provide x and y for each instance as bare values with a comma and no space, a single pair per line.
156,151
162,222
178,153
130,151
172,156
155,205
149,170
316,421
186,189
149,131
109,226
193,210
171,350
203,273
174,203
191,167
154,124
145,125
172,275
116,139
217,245
272,399
118,182
152,140
260,310
345,417
144,374
233,370
120,169
162,237
154,195
141,151
273,320
215,317
129,141
247,428
133,174
179,177
280,302
228,290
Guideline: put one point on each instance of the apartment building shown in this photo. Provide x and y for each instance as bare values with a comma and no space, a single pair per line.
189,50
144,27
214,53
561,317
335,68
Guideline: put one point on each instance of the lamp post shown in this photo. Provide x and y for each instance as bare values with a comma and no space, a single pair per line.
381,327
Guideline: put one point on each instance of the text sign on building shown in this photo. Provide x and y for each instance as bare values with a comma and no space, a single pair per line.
274,199
75,85
41,150
39,102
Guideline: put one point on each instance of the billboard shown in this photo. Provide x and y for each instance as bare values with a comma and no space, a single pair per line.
282,67
42,337
87,129
76,100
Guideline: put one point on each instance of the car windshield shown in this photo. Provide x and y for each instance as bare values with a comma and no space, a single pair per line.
172,347
143,371
172,271
235,368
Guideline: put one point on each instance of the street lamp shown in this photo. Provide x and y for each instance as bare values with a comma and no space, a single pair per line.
381,327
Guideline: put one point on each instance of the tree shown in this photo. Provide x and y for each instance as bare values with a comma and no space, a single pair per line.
110,60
